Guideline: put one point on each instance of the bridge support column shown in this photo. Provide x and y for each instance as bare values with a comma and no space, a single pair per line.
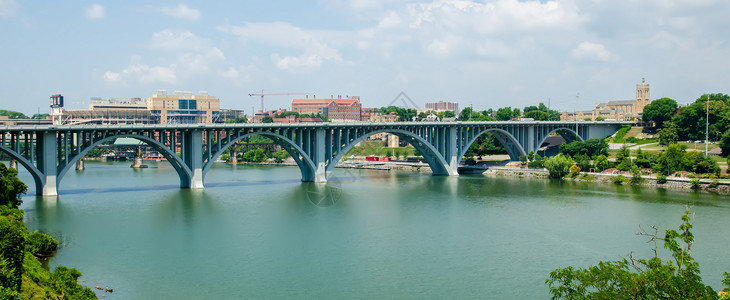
47,164
451,152
318,155
192,153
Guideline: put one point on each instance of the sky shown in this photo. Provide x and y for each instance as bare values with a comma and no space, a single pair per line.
485,54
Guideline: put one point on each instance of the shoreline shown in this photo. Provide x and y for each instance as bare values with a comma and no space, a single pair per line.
674,183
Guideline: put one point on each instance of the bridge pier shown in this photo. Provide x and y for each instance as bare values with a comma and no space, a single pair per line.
192,153
48,164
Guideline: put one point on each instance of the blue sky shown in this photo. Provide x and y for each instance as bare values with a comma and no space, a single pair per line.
488,54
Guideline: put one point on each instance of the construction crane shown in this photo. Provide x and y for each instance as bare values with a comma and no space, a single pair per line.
272,94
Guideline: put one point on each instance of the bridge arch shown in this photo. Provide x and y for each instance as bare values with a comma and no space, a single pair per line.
435,160
306,166
181,168
506,139
37,175
567,133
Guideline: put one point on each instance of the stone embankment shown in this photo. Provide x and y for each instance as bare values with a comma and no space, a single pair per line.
679,183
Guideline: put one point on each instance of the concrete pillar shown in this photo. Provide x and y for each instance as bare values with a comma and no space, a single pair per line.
451,153
80,164
47,163
318,156
234,157
13,164
193,156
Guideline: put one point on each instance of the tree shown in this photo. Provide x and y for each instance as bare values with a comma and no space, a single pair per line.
12,244
671,160
267,119
254,155
623,159
634,278
504,114
725,143
558,166
602,162
668,134
590,147
660,111
10,187
466,114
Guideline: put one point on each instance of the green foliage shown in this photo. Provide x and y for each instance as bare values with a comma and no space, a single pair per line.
591,147
320,116
445,114
506,114
12,241
531,155
660,111
623,159
12,114
636,175
691,119
13,213
536,163
661,179
574,171
485,144
714,183
669,134
725,143
10,187
41,244
619,137
619,180
583,161
523,158
65,280
602,162
404,114
695,182
634,278
267,119
671,160
644,159
704,165
286,114
254,155
280,156
558,166
237,120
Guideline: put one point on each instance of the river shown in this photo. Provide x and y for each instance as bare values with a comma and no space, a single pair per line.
259,232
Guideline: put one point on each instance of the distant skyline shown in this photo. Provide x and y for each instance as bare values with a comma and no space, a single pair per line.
485,54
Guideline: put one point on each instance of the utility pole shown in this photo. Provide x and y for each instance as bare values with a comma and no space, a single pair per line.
707,124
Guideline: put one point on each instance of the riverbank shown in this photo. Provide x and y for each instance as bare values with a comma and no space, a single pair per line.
676,183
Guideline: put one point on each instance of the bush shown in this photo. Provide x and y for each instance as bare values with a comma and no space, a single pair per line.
714,183
619,180
41,244
661,179
640,278
14,213
695,183
558,166
636,175
574,171
65,280
12,239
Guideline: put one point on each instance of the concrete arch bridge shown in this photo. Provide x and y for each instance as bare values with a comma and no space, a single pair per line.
49,151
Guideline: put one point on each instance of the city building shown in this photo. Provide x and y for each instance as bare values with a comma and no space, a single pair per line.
391,117
620,110
336,110
443,106
184,107
161,108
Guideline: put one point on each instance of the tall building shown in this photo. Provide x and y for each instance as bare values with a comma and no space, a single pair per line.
619,110
443,106
183,107
337,110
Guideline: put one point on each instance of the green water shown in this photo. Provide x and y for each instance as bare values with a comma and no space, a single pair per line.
255,232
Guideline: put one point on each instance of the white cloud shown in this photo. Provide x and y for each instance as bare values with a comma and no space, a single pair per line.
177,40
279,34
142,73
181,11
95,11
592,52
8,7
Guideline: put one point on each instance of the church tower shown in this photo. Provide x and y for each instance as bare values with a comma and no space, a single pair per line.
642,97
